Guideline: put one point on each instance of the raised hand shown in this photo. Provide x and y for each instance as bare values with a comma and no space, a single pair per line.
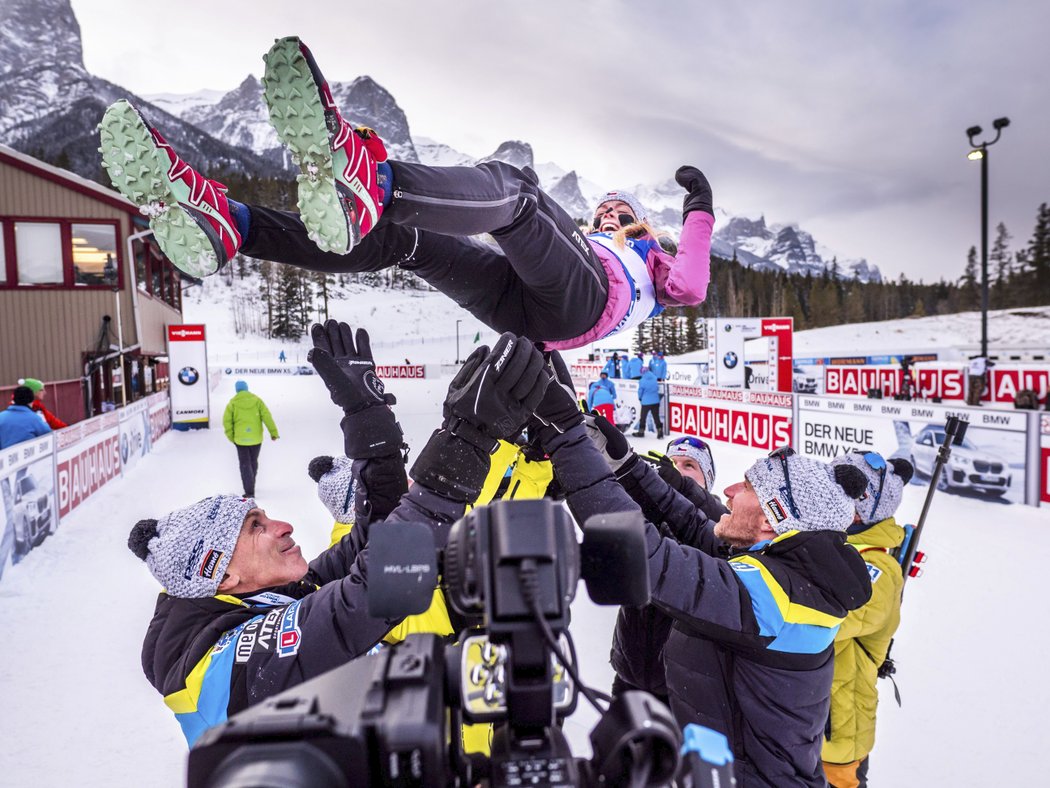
346,366
497,390
699,197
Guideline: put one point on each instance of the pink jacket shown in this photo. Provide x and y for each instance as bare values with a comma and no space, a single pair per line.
679,281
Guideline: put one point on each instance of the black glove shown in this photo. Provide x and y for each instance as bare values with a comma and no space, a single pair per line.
348,371
699,197
349,374
452,467
496,392
610,442
559,410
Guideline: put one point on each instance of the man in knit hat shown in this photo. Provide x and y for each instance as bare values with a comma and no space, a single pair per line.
750,653
242,615
864,638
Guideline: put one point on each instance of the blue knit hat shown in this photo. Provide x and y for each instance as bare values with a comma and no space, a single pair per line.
240,385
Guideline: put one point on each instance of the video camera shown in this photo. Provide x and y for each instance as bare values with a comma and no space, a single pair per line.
394,718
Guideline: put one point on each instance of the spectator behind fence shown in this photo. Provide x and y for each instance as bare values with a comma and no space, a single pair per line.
19,423
601,396
37,387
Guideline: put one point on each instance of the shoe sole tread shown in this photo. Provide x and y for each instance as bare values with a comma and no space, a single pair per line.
138,170
298,116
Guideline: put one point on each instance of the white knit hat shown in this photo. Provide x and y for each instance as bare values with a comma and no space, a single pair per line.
335,486
813,496
189,549
624,196
885,485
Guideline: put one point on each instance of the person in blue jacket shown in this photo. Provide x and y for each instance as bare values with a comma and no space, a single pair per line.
20,422
635,366
658,366
601,396
649,397
612,366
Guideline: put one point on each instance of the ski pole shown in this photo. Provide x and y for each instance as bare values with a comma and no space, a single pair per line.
954,432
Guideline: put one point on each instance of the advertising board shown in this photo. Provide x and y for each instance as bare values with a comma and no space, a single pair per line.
188,357
989,464
756,419
27,490
88,458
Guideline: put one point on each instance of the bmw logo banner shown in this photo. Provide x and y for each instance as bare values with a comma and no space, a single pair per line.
188,361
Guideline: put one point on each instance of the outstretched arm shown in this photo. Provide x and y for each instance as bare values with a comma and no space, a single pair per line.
682,280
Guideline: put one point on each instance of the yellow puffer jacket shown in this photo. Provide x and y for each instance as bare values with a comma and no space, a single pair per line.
861,645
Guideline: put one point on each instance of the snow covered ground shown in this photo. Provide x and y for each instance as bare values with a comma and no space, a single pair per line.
77,709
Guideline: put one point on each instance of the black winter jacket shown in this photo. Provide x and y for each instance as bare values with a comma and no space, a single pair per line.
750,653
641,632
213,657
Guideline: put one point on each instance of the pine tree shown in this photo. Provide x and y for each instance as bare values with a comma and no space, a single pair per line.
999,259
1038,257
971,288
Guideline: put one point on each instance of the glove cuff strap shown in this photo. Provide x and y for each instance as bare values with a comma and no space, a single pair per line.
471,434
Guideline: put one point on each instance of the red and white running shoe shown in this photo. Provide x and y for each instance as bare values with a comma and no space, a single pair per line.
339,197
189,214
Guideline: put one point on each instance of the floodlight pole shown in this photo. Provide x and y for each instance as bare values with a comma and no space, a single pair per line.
979,150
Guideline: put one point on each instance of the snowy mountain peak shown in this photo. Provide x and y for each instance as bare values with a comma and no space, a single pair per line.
513,152
567,193
37,34
783,247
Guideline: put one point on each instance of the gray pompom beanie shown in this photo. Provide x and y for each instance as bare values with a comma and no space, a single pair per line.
624,196
820,497
189,549
898,474
335,486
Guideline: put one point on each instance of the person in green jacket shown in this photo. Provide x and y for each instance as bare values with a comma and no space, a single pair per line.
864,637
243,421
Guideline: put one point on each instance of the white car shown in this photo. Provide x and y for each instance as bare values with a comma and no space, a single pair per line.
969,467
801,382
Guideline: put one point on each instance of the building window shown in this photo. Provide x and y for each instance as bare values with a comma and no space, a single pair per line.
94,254
59,253
39,253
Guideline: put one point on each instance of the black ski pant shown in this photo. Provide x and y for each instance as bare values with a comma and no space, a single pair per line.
248,457
542,281
654,411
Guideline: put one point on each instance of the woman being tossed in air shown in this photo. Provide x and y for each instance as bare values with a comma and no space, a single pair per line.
544,279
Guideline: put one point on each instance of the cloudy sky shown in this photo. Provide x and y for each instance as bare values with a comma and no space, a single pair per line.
847,117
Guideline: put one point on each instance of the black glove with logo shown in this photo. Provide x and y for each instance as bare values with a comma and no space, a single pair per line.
699,197
490,399
349,374
496,392
559,410
612,443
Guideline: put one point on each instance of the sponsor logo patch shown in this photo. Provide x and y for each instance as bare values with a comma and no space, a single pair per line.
873,572
776,509
193,560
289,636
211,563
